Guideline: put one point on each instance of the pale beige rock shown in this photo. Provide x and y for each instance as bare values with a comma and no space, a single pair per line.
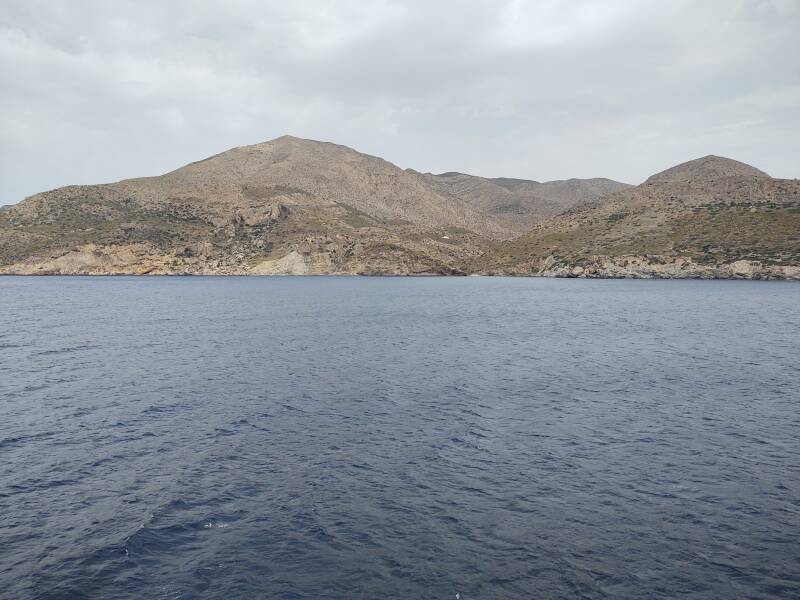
745,268
291,264
666,267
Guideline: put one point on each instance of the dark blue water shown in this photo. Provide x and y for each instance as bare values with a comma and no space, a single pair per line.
398,438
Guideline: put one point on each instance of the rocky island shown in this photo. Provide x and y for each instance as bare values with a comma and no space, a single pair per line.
293,206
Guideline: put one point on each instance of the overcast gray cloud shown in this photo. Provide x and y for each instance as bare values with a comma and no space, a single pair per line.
96,91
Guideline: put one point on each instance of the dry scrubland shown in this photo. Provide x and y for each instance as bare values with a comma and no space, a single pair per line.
293,206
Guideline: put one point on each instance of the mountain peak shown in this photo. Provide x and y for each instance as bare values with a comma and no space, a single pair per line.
288,140
707,167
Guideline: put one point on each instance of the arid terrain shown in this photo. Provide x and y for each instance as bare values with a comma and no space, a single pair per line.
711,217
295,206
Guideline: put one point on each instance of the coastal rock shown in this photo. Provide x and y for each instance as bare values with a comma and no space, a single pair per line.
746,269
293,263
668,267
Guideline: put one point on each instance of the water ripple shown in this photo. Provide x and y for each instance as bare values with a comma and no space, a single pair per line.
391,438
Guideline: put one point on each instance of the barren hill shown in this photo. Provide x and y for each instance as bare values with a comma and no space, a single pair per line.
708,168
285,205
711,217
299,206
518,204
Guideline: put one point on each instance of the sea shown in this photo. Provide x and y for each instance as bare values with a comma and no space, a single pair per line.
398,438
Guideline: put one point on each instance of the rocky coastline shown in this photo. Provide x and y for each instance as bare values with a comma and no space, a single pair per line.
291,206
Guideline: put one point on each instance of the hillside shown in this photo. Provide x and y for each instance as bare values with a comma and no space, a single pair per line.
288,205
708,168
293,206
519,204
712,217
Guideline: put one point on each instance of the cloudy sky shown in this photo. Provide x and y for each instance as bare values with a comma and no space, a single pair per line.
96,91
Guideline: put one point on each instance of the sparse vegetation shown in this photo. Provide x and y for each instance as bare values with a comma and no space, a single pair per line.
220,223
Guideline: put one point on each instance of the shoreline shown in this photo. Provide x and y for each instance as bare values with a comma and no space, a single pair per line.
659,277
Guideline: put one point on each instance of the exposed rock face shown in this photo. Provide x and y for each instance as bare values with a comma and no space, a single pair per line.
662,267
292,206
291,264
